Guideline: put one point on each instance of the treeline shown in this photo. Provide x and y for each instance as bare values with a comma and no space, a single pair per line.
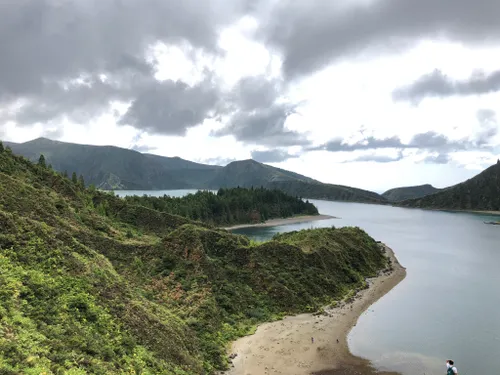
229,206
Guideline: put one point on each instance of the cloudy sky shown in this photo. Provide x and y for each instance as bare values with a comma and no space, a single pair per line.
367,93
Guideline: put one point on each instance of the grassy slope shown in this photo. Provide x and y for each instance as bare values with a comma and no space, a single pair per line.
90,284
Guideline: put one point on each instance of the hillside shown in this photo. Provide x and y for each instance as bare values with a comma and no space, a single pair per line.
109,167
248,173
409,192
91,283
481,192
327,192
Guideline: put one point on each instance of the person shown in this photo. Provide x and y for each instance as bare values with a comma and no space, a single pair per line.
450,368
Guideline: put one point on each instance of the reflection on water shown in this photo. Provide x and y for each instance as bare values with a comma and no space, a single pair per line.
447,307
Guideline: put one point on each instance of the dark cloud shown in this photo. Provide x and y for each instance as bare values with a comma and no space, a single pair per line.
437,159
171,108
272,156
377,158
55,54
436,84
489,126
428,141
258,113
423,141
369,143
54,40
312,34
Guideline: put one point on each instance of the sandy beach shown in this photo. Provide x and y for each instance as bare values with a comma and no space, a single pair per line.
286,221
285,347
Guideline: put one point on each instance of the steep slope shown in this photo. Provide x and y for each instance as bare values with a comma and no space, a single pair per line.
90,283
113,167
249,173
481,192
409,192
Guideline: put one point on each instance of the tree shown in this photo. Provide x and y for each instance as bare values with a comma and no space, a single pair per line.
1,147
74,178
65,174
41,161
81,182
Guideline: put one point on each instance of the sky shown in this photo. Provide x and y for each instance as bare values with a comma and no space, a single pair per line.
367,93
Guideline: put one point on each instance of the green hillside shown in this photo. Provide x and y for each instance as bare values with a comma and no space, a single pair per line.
115,168
109,167
409,192
481,192
93,284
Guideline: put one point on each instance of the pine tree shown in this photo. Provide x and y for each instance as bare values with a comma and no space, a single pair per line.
65,174
1,147
81,182
41,161
74,178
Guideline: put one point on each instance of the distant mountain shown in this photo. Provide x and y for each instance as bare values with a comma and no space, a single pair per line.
109,167
247,173
327,191
481,192
409,192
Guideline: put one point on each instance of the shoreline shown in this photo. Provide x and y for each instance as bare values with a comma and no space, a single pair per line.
285,346
282,221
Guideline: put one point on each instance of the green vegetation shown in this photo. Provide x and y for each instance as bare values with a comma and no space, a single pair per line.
109,167
409,192
113,168
327,192
92,283
481,193
229,206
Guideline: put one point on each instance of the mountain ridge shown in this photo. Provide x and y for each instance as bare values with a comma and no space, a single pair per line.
481,193
111,167
409,192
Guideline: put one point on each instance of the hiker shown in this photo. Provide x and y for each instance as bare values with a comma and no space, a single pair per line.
450,368
312,340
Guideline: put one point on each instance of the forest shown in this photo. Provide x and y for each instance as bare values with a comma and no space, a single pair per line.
229,206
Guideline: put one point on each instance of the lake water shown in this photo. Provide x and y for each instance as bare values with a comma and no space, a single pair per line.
448,305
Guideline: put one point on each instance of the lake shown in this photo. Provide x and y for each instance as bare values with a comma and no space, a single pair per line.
448,305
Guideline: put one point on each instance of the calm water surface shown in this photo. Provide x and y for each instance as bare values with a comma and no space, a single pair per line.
449,304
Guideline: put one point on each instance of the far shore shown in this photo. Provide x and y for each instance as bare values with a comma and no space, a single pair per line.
283,221
286,346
